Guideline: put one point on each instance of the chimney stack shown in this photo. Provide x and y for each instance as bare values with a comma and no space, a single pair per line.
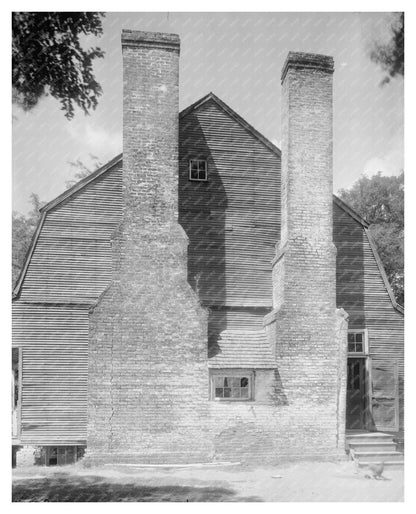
150,127
306,330
148,371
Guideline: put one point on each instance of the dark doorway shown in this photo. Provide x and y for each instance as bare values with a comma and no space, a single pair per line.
356,394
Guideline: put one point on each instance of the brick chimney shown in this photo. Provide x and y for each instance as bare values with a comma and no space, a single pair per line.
306,329
148,375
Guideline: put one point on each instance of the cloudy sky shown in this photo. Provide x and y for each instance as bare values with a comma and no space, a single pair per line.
238,56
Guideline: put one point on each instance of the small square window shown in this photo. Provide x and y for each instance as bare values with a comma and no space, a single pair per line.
198,170
357,342
232,385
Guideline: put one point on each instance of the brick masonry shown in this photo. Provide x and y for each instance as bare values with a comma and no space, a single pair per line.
148,397
309,333
148,375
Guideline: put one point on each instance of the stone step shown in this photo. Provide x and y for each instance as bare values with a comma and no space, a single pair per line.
368,437
388,456
397,464
372,446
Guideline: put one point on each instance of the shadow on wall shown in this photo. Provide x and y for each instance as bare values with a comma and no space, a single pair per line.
202,214
348,239
66,488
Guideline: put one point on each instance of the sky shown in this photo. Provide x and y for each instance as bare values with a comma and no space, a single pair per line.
239,57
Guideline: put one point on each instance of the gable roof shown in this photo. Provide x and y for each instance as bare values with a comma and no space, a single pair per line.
346,208
224,107
79,186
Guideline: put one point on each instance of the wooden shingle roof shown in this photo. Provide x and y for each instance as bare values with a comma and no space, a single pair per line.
242,349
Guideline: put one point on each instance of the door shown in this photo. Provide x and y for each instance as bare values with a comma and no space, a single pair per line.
356,394
16,371
384,403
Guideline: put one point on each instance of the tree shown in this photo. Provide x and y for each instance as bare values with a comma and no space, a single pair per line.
390,56
47,58
380,200
82,170
23,228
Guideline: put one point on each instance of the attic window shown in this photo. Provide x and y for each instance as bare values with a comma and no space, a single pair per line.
231,385
198,170
357,342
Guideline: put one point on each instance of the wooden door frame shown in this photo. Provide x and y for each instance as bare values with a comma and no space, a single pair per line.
19,399
364,388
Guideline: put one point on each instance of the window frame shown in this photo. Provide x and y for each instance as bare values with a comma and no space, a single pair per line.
364,333
232,373
198,160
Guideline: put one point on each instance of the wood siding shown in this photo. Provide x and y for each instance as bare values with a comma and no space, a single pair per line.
362,292
233,219
72,258
54,348
232,222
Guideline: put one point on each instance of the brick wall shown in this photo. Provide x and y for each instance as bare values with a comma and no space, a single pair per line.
148,376
148,398
310,335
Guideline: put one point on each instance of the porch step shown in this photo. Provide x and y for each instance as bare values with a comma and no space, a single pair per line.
364,437
376,456
369,447
387,464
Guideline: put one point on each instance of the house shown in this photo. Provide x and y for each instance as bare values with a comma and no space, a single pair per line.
204,296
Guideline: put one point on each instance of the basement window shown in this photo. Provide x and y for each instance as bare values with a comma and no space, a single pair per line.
232,385
357,342
198,170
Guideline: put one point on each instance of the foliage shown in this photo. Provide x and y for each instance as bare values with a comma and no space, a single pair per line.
380,200
47,58
82,170
23,228
390,56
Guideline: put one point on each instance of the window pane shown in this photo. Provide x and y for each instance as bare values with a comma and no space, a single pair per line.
235,392
359,347
359,338
234,382
244,392
227,392
226,383
219,392
194,174
202,175
351,347
244,382
219,381
351,338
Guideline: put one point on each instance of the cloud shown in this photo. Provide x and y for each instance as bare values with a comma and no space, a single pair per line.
390,164
93,139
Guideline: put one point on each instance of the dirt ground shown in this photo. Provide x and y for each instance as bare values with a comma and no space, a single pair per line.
306,481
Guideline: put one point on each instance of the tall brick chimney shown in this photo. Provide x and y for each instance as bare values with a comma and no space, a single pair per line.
148,375
308,332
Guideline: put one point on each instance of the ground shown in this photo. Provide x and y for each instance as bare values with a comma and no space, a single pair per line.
317,481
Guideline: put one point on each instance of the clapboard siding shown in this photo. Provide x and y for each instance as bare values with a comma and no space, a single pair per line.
232,220
72,260
363,293
54,342
233,225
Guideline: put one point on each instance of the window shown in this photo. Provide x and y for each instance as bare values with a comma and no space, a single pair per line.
232,385
357,342
198,170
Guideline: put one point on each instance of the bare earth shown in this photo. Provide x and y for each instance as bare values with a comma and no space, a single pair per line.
305,481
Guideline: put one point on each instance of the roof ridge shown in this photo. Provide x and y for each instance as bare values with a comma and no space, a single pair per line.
233,114
81,183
